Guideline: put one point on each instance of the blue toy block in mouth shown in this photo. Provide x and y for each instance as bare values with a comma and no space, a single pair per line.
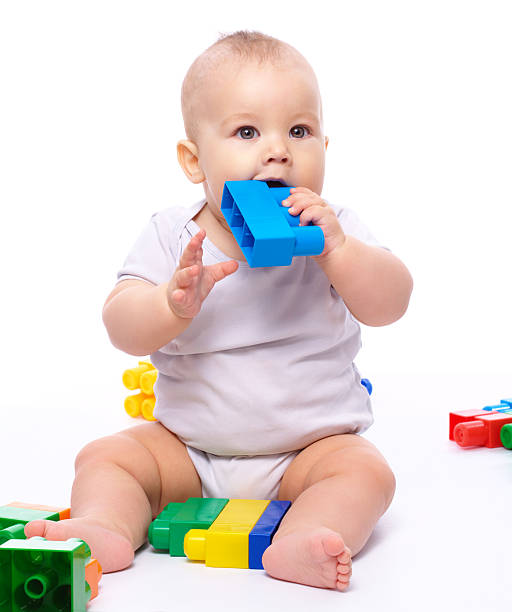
266,232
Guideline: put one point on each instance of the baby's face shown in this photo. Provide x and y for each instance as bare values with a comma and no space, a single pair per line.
261,122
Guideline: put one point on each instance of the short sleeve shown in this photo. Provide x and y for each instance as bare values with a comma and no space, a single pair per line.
150,258
353,226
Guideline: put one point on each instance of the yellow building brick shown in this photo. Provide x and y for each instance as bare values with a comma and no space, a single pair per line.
226,542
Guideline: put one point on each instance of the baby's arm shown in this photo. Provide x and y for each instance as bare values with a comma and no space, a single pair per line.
374,284
141,318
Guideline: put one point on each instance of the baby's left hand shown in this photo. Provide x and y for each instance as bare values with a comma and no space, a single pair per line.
312,208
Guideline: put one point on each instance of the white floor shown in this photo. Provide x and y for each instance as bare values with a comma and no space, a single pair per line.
445,542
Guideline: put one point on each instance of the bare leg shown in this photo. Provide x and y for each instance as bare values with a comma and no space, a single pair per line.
121,483
340,486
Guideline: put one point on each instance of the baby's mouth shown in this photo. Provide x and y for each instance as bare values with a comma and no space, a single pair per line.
273,183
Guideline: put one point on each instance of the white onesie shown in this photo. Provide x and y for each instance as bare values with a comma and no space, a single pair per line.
265,368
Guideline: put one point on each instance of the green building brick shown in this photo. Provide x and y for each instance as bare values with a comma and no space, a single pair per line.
168,530
43,575
16,532
11,515
13,520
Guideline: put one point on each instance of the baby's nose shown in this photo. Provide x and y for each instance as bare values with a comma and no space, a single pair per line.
277,157
277,154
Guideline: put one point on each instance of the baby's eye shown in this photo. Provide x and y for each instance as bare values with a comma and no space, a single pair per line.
299,131
247,132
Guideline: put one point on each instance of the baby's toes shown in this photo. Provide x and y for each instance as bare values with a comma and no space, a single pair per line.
342,585
333,545
39,528
345,558
343,570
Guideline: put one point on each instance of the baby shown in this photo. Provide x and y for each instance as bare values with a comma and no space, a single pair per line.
257,394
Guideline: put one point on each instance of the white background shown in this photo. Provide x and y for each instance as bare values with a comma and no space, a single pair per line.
417,99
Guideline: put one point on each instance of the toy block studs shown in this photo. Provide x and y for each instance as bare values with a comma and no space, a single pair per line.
367,385
142,377
14,532
506,436
131,377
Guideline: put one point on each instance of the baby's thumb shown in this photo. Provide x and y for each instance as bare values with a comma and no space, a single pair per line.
223,269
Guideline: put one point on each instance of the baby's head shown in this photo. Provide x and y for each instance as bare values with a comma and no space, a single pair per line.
252,110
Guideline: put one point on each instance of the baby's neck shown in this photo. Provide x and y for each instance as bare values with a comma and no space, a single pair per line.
217,233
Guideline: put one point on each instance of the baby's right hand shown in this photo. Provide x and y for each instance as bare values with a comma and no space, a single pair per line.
192,282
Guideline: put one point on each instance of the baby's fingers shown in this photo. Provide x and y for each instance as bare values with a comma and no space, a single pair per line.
223,269
178,296
193,251
186,276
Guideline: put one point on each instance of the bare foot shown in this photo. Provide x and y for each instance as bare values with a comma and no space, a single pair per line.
316,557
112,550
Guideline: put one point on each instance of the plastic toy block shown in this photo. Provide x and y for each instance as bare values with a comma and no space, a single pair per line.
367,385
133,404
140,404
159,532
226,542
262,533
463,416
147,381
64,513
93,573
168,530
506,436
496,407
147,408
131,377
142,377
22,513
264,229
14,532
25,512
505,404
43,575
482,431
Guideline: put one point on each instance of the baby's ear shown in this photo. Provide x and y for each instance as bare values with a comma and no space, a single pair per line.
188,157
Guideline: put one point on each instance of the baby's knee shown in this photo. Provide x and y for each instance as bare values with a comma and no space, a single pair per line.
362,463
117,449
102,450
378,471
387,480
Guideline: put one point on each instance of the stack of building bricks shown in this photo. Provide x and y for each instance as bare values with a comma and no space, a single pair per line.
38,574
143,378
221,532
491,426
